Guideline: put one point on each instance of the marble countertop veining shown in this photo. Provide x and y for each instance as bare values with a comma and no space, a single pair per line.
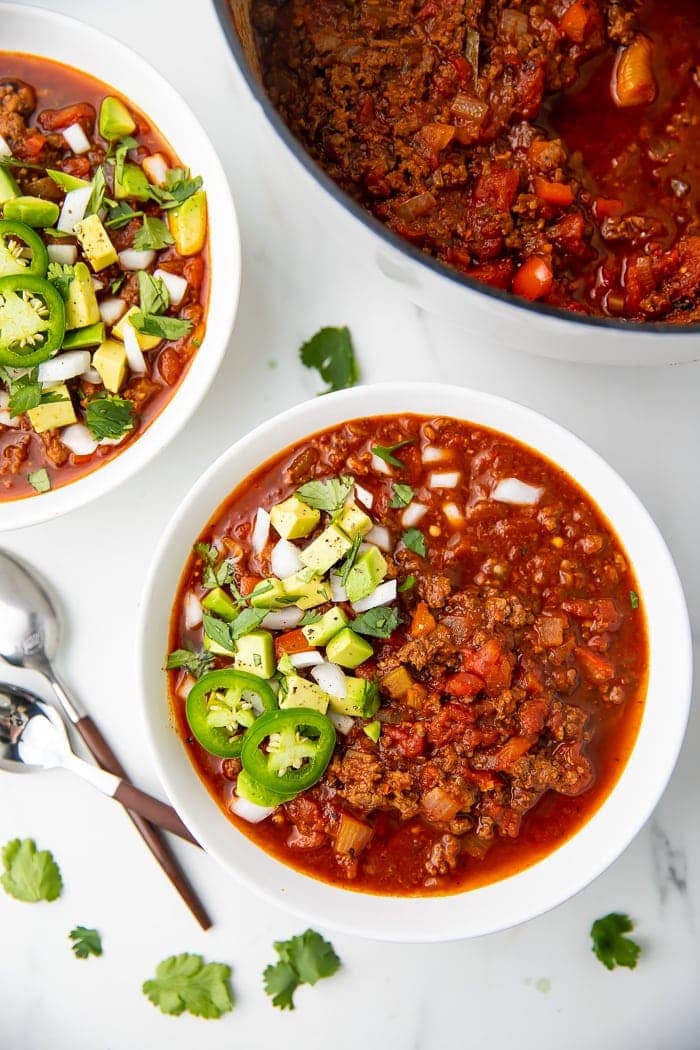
537,985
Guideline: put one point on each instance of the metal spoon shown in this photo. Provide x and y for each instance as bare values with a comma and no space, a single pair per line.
33,737
29,634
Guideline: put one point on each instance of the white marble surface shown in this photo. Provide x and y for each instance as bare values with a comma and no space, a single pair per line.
465,994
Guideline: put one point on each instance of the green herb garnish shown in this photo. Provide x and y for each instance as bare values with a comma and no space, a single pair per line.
305,959
328,495
609,943
634,599
401,495
415,541
407,584
61,275
350,559
109,416
154,234
195,663
120,215
330,351
377,623
153,295
164,327
30,874
85,942
185,983
27,392
97,197
386,452
40,480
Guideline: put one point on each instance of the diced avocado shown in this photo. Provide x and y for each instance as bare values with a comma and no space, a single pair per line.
306,593
54,413
268,594
95,242
302,693
361,699
213,647
348,649
115,121
8,186
293,519
331,622
366,574
326,549
373,730
255,653
130,181
34,211
146,342
188,224
81,306
80,338
110,361
353,521
219,602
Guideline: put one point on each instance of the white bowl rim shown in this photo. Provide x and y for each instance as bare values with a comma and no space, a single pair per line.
559,875
224,251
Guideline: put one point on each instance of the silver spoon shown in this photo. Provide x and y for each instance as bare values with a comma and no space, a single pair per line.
29,635
33,737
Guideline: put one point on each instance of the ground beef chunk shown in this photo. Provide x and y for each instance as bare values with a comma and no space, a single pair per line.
55,450
433,587
15,454
17,102
420,652
366,784
443,856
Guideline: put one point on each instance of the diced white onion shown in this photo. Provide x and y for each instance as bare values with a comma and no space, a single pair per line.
343,723
308,659
249,811
97,284
111,310
453,514
91,375
155,168
176,285
433,454
6,419
78,439
193,611
134,355
412,515
5,150
330,678
379,465
65,366
338,592
283,619
76,138
511,490
444,479
65,254
131,259
285,560
185,687
73,209
382,595
380,537
363,496
261,530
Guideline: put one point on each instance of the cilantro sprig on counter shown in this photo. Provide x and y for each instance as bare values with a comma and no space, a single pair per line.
304,959
610,944
85,942
30,874
330,351
186,984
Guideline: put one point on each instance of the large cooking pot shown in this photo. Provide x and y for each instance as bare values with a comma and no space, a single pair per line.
483,311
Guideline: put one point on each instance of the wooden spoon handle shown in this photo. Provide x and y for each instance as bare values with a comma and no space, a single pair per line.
155,811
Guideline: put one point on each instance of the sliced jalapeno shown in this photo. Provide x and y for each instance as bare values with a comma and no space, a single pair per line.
32,320
254,792
21,250
222,705
298,744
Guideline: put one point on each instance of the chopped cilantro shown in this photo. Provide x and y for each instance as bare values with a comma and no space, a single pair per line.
195,663
401,495
154,234
60,275
350,558
153,295
85,942
380,622
155,324
120,215
609,943
309,617
634,599
328,495
179,185
305,959
408,584
30,875
386,452
415,541
330,351
27,392
109,416
185,983
97,197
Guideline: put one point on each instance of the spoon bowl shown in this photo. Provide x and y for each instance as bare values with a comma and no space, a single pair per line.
32,734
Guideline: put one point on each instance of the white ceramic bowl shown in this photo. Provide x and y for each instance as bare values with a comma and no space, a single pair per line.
39,32
574,864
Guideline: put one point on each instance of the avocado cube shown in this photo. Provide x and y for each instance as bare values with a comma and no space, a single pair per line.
188,224
326,549
131,182
353,521
348,649
366,574
115,121
331,622
8,186
255,654
95,242
146,342
81,305
211,646
306,593
302,693
293,519
361,699
268,594
110,361
33,211
81,338
221,604
54,413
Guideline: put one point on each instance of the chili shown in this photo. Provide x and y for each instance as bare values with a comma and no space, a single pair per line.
299,743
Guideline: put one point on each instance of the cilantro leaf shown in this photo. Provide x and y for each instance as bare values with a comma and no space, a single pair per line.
408,584
246,621
99,187
610,946
40,480
153,234
309,617
330,351
195,663
304,959
328,495
85,942
186,983
215,573
30,874
109,416
155,324
386,452
121,214
153,295
634,599
60,275
27,392
401,495
179,186
415,541
380,622
217,630
350,559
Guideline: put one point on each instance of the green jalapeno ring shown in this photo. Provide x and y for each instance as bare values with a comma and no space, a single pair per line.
254,792
10,263
218,712
29,334
300,743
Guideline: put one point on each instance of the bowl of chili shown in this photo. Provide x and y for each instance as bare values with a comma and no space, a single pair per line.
420,643
529,171
119,265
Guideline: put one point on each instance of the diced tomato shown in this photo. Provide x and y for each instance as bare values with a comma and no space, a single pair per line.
607,208
408,738
530,88
596,668
498,188
577,21
247,584
450,724
492,664
423,621
305,839
510,752
685,281
559,194
78,166
463,684
484,780
602,613
568,232
497,274
533,715
30,146
291,642
534,279
461,67
428,10
57,119
170,365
